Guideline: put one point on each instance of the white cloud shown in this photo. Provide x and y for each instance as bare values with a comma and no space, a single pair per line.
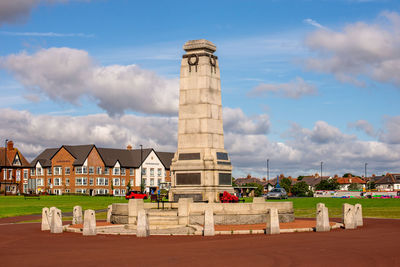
391,134
235,121
364,126
13,11
65,74
359,50
314,23
294,89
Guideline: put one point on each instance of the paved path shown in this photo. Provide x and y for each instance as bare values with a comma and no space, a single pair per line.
375,244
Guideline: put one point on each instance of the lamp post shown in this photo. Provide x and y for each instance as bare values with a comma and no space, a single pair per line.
365,171
321,169
141,169
268,170
5,164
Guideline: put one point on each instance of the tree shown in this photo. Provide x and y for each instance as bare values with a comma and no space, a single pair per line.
371,185
300,178
327,185
259,188
301,189
354,186
347,174
286,184
234,182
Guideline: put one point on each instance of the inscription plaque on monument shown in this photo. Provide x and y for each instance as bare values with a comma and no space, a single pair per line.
201,165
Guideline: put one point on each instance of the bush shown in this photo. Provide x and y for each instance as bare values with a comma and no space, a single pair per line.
327,185
301,189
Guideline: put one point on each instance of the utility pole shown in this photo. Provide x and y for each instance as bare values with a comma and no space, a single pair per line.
141,169
321,169
268,170
5,169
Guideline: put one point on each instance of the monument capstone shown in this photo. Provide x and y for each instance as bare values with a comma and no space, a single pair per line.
201,168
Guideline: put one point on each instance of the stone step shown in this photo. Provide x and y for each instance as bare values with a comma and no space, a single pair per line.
162,212
163,220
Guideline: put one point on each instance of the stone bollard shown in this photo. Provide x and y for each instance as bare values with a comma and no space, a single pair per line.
51,210
258,200
56,222
272,222
349,217
89,223
142,229
184,210
209,221
109,211
77,215
358,215
134,205
322,218
45,219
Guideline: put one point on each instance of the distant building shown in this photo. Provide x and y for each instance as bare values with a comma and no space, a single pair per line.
14,168
345,182
87,169
390,182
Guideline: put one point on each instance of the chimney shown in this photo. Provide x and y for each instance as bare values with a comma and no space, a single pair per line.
10,145
129,147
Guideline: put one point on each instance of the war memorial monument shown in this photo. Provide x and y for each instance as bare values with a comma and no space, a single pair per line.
201,168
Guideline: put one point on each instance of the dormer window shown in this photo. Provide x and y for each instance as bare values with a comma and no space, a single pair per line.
116,171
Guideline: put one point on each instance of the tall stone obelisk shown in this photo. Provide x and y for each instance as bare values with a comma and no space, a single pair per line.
201,168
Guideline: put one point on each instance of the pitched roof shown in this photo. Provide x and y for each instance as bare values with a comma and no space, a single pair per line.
11,154
166,158
389,178
110,156
350,180
44,158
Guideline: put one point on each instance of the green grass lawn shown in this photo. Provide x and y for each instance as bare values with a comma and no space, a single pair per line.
377,208
303,207
17,205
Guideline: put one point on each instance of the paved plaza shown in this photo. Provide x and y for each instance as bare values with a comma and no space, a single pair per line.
374,244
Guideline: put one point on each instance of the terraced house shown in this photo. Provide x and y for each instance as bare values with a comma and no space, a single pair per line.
87,169
14,170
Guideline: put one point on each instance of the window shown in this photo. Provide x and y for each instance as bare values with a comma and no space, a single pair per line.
84,170
91,170
98,170
131,182
49,171
57,170
25,174
39,171
116,171
80,191
39,182
106,170
67,191
152,172
78,170
116,182
131,171
5,174
101,181
158,172
48,181
18,175
57,181
158,182
123,171
80,181
32,171
144,170
122,191
67,181
10,174
123,181
151,182
116,192
91,181
67,170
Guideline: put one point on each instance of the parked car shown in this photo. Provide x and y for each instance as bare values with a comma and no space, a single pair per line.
135,194
278,193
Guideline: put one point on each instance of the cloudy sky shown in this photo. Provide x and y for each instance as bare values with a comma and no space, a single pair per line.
302,81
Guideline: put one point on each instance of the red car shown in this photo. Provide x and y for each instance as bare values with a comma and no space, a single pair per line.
135,194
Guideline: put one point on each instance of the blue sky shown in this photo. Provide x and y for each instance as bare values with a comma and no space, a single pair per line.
302,81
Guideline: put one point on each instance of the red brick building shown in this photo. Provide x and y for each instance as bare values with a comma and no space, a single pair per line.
14,173
87,169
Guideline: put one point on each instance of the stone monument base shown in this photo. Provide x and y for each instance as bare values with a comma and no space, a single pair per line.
199,193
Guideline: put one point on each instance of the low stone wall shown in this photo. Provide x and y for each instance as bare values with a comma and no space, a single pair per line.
225,213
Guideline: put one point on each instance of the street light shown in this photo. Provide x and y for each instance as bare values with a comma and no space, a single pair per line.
268,170
5,164
141,168
321,169
365,173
